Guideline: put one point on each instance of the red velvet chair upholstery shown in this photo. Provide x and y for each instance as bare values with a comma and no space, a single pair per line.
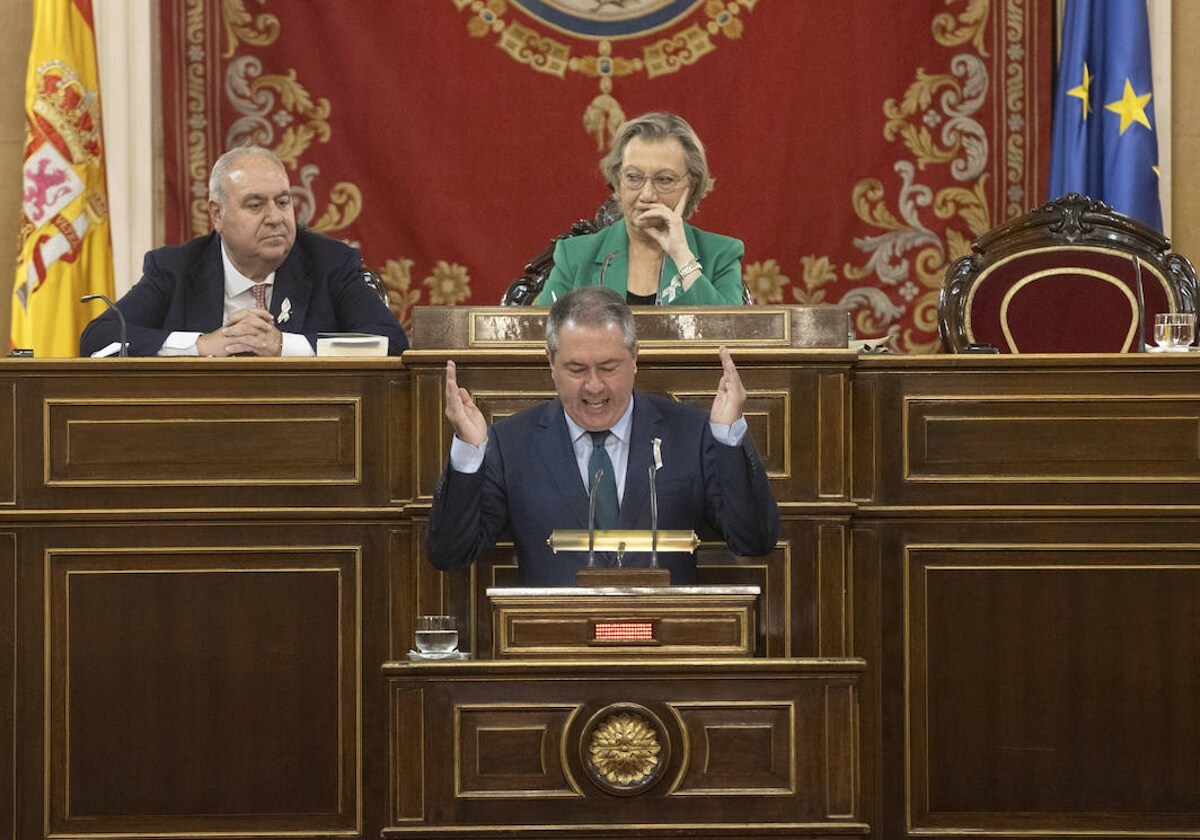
1061,279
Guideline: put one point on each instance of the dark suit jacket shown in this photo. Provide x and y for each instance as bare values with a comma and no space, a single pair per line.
183,290
530,485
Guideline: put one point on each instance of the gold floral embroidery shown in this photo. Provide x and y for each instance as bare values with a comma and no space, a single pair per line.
680,48
765,280
241,25
818,272
397,279
448,284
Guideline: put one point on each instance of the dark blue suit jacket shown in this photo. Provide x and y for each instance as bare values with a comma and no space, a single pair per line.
183,290
530,485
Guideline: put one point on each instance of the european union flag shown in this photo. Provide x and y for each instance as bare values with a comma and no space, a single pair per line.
1105,141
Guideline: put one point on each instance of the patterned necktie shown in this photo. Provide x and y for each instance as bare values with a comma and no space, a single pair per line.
260,295
607,507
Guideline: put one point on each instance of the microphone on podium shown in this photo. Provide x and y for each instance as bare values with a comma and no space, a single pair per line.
1141,305
591,563
604,267
124,349
654,467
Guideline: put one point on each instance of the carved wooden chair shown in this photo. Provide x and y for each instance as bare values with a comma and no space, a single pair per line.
1063,279
524,290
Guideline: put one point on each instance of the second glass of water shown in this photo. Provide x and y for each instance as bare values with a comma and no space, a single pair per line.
437,634
1174,330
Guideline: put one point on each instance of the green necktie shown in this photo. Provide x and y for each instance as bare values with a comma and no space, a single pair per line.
607,507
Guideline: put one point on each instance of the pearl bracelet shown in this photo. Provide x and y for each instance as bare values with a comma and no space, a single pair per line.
676,285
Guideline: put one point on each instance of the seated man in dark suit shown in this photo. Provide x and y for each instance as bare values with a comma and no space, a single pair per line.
255,286
530,473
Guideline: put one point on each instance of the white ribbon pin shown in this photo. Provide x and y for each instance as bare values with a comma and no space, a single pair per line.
285,311
657,454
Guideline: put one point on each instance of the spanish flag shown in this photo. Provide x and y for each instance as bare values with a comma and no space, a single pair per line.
65,247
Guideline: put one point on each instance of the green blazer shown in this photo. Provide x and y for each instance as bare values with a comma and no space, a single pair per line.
579,261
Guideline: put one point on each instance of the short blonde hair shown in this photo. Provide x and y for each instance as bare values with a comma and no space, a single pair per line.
656,126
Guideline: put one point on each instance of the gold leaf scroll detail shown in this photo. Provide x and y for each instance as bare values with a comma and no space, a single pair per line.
397,279
969,205
867,200
241,25
969,25
602,119
670,55
528,47
343,210
296,100
919,97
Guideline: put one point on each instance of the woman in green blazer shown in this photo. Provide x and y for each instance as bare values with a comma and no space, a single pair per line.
650,256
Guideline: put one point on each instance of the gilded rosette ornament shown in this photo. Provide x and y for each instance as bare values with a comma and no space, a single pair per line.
625,751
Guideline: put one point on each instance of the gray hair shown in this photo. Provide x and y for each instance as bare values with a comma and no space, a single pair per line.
591,306
657,126
227,162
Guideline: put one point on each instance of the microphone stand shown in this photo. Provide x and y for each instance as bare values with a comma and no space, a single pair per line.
1141,305
124,351
604,267
653,520
591,563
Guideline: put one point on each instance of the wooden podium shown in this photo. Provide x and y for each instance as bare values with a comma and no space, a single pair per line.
627,709
625,712
556,622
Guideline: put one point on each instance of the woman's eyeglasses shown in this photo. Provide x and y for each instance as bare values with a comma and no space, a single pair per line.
663,182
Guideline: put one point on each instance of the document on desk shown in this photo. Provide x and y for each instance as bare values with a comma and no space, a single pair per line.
351,344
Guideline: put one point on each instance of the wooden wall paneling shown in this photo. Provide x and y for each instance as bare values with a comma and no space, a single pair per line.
180,436
407,765
195,630
8,663
832,434
881,784
395,442
1040,676
174,654
8,441
1047,431
865,437
745,749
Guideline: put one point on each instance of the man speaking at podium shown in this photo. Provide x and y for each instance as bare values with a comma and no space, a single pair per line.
534,472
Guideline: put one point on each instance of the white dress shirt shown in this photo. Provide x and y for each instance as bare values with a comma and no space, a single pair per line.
467,458
239,295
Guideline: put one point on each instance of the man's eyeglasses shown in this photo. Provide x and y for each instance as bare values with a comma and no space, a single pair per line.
662,182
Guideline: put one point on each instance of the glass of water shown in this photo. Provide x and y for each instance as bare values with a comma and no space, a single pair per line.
1174,330
437,634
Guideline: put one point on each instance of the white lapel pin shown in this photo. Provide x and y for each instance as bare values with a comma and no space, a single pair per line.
657,453
285,311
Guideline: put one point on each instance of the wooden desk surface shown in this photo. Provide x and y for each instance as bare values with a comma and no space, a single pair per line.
197,624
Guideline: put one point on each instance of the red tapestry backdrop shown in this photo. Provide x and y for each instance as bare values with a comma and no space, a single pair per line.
859,146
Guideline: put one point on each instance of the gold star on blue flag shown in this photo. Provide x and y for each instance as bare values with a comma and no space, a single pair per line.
1105,141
